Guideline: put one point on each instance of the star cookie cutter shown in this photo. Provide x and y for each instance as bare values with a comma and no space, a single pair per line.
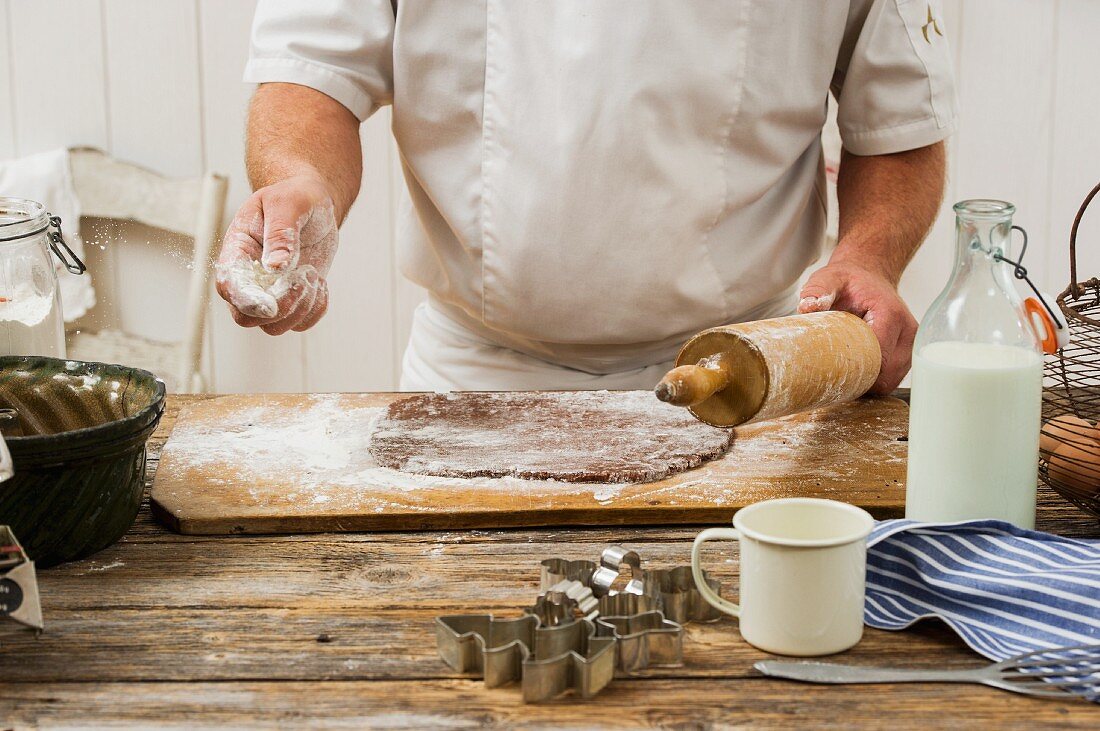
644,640
546,660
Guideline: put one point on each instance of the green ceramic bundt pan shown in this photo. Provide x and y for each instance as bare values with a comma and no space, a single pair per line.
78,445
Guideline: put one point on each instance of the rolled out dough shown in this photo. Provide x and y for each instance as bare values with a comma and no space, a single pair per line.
572,436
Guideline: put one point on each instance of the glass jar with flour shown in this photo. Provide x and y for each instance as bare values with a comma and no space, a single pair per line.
977,384
31,321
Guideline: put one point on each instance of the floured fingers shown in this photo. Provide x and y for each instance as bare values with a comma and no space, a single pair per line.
317,311
298,304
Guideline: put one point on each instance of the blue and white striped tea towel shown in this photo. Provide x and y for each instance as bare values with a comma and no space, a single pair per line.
1003,589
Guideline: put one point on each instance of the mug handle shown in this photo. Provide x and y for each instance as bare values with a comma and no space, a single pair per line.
712,534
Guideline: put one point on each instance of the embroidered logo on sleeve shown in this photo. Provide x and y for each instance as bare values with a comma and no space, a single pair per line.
932,25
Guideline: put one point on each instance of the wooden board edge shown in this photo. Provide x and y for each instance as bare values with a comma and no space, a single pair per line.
166,517
474,520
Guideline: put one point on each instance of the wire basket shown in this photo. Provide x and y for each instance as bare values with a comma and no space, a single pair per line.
1070,440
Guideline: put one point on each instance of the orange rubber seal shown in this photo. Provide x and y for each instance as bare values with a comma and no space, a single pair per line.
1034,308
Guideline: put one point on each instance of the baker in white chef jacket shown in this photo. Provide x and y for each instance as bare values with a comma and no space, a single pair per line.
591,182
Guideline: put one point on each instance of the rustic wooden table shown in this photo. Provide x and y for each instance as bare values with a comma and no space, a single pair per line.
163,630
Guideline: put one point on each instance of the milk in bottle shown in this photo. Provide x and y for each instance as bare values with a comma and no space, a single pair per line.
976,387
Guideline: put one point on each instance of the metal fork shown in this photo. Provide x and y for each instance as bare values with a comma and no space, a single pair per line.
1060,672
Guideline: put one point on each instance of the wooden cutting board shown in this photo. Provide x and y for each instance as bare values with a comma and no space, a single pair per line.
298,463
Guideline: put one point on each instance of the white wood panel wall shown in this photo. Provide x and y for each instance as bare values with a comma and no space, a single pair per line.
158,83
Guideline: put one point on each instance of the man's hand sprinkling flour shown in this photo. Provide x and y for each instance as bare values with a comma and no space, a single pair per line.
276,255
306,173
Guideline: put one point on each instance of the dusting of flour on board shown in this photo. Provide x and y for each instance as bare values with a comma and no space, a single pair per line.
324,450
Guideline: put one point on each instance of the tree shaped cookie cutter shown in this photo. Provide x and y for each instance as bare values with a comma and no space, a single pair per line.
546,660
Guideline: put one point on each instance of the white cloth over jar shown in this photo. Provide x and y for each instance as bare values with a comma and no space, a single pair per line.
590,183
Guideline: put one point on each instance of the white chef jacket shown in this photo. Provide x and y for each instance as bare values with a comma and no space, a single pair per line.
590,182
443,355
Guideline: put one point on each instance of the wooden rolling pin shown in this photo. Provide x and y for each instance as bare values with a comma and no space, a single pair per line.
763,370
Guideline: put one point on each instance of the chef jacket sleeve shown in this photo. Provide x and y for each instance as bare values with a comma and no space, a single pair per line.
894,82
342,48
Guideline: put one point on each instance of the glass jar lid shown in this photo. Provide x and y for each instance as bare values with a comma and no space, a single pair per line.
20,218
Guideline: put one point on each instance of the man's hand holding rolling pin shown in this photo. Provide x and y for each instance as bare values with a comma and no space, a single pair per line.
883,220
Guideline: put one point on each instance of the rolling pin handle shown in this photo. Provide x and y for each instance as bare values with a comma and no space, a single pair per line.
666,392
692,384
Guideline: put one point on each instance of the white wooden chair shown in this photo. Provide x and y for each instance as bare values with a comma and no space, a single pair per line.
193,207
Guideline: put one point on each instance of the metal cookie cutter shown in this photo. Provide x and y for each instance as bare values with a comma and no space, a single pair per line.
551,606
627,605
557,570
679,597
645,616
607,574
546,660
644,640
554,608
601,578
673,591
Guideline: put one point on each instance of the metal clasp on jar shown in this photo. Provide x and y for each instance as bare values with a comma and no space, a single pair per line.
57,243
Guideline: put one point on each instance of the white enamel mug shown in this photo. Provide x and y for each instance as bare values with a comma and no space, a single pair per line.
803,567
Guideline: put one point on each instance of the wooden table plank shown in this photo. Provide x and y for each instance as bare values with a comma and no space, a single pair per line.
397,704
175,608
186,631
206,644
456,577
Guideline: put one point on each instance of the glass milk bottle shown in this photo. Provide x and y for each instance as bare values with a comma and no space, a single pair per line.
977,385
31,321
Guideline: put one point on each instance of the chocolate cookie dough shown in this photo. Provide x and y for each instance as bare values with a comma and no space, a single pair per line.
582,436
